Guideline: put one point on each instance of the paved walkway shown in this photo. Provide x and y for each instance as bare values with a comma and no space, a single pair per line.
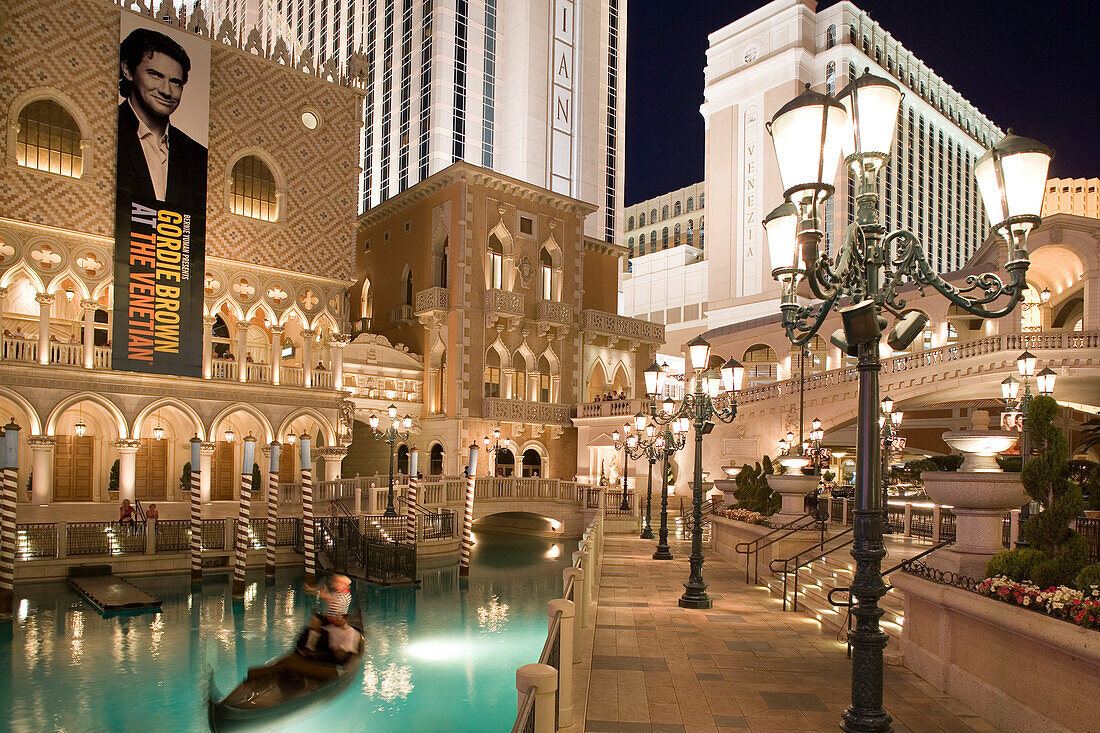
744,665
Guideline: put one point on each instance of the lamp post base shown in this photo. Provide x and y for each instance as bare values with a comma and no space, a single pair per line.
695,599
647,533
390,512
662,553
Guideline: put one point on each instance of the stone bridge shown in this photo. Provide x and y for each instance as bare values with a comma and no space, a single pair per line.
960,371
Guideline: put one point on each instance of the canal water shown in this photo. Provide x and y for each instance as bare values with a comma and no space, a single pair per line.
439,658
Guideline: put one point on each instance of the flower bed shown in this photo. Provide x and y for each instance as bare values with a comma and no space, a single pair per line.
1061,602
744,515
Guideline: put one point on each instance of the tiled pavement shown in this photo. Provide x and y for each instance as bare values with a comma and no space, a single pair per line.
744,665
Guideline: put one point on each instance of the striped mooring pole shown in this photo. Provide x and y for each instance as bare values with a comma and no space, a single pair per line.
308,541
468,513
272,511
410,500
248,457
196,512
7,520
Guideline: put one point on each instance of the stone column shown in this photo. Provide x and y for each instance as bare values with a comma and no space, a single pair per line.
3,297
333,458
89,307
507,383
45,301
566,632
42,447
276,352
336,348
544,679
242,351
127,468
207,348
206,455
307,357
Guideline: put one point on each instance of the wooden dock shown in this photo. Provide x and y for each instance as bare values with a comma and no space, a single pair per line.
109,593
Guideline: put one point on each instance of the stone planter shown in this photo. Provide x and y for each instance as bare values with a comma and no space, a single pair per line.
793,490
980,501
727,487
980,448
1020,670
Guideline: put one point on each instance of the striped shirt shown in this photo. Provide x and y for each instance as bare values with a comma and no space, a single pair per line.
337,604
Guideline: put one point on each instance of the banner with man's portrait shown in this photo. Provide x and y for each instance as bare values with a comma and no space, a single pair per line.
160,207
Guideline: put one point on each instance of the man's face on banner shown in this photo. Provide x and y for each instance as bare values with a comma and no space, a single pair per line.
157,84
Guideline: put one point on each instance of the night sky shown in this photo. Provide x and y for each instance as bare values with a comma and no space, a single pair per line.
1027,65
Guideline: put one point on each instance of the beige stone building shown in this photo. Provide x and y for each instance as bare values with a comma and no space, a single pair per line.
278,263
513,308
1078,196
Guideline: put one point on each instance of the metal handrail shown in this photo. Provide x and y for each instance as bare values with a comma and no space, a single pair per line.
753,547
787,570
525,719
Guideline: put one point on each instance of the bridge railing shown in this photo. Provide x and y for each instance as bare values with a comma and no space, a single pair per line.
1010,342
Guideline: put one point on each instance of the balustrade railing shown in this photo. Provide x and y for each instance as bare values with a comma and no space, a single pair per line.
224,369
290,376
20,349
613,408
101,357
67,354
35,541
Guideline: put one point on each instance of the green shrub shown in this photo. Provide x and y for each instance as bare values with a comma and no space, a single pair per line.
947,463
1015,564
920,465
185,478
753,492
257,480
1092,486
1088,577
112,481
1010,464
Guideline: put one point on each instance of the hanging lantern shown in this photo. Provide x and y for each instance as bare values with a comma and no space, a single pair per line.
229,435
158,433
80,428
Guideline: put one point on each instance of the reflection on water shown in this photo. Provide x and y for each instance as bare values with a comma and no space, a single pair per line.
440,658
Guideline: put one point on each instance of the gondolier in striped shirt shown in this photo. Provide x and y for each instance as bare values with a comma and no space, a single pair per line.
335,598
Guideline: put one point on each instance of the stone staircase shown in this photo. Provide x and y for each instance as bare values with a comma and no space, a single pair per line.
835,570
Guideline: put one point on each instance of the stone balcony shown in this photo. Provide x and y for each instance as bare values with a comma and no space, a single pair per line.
401,314
431,303
617,409
614,329
550,315
522,411
504,308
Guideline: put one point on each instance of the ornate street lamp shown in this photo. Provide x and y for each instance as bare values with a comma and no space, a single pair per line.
864,278
890,424
657,444
1017,405
714,396
624,446
494,448
391,435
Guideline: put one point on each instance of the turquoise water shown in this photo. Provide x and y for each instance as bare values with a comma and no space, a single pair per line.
441,658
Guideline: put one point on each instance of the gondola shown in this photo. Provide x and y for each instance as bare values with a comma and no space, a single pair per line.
281,687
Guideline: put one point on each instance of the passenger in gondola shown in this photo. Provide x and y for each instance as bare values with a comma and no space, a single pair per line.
343,639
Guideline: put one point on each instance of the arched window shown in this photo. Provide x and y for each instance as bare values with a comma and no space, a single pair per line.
952,333
676,236
641,219
546,274
496,263
439,265
435,461
664,238
492,373
403,459
544,379
691,204
630,223
220,330
519,378
505,463
760,364
630,246
641,245
702,200
440,385
664,212
690,232
830,37
701,233
408,290
676,209
102,334
830,77
49,139
532,463
252,190
653,216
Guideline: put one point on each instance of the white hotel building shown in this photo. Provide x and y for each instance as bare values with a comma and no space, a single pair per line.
754,66
531,89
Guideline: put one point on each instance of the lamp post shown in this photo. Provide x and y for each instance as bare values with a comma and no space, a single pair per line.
714,396
628,442
1018,404
810,133
391,435
658,444
493,448
813,449
890,423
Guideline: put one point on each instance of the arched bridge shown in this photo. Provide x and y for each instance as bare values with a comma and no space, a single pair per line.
959,371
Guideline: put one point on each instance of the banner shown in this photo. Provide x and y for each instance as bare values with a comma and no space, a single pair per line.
160,205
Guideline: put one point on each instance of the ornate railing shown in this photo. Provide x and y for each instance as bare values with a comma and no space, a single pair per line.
615,325
613,408
432,299
1010,342
504,301
213,534
551,311
401,313
173,535
35,541
104,538
539,413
